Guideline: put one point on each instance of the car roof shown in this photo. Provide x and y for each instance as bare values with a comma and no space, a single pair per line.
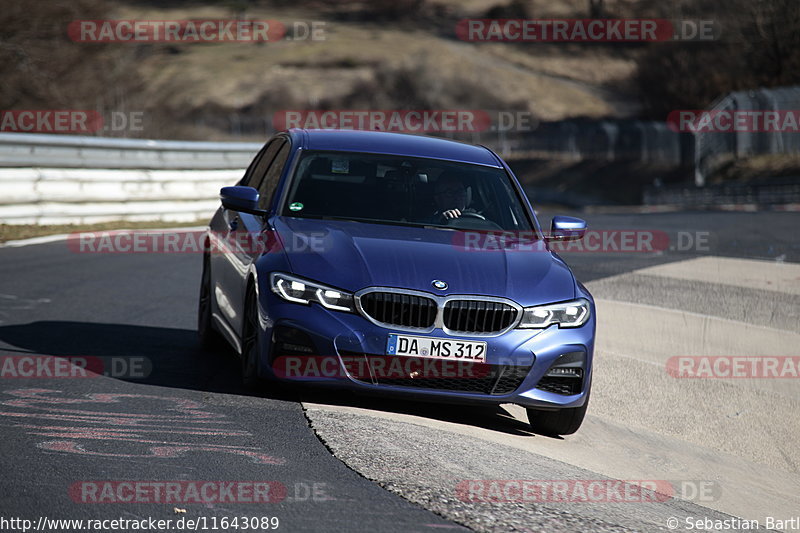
382,142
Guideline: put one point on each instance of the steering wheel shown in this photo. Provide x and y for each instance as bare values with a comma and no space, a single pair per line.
472,221
473,215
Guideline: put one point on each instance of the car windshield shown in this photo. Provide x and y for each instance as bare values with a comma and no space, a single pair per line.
388,189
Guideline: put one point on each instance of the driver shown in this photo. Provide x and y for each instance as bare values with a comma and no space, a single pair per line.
450,196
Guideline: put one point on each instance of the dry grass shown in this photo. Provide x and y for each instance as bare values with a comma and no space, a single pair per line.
193,80
759,167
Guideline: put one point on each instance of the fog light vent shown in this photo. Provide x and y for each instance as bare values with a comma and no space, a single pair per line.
291,341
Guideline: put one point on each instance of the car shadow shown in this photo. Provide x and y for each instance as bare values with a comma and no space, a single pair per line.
174,358
494,418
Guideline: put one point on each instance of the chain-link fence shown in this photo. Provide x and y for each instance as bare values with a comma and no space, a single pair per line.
714,148
608,140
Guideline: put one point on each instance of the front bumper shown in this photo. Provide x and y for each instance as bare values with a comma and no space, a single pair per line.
526,353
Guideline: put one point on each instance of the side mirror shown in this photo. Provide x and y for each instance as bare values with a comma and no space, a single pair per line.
243,199
565,228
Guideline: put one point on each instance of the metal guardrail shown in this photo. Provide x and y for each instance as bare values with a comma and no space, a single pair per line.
605,140
60,179
66,151
70,179
84,196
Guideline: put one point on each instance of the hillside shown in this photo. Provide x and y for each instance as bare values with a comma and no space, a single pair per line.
224,91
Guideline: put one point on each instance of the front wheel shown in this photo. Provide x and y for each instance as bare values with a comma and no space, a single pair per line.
560,422
209,338
250,342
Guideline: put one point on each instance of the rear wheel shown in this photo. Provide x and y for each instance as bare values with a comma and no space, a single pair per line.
209,337
560,422
250,345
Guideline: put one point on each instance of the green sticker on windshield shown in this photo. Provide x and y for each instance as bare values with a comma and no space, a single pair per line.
296,206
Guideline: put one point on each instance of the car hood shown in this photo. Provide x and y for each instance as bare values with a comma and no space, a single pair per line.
354,255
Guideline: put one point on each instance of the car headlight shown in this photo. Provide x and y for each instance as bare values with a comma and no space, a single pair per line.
567,315
303,291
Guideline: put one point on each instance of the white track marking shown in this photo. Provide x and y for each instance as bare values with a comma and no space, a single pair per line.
64,236
774,276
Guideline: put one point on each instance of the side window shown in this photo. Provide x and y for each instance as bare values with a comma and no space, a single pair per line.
249,179
263,164
270,181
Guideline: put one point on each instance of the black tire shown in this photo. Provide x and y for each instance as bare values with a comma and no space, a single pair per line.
209,337
251,333
560,422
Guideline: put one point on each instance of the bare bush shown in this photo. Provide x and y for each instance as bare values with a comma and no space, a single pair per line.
516,9
759,47
41,68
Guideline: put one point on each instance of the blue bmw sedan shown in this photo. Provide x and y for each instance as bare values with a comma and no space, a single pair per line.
398,265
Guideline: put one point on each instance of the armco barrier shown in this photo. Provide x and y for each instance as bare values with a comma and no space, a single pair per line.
59,179
68,151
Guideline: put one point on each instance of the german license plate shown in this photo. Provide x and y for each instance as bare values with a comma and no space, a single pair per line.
436,348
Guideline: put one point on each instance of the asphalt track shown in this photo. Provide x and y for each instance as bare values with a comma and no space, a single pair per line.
189,419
